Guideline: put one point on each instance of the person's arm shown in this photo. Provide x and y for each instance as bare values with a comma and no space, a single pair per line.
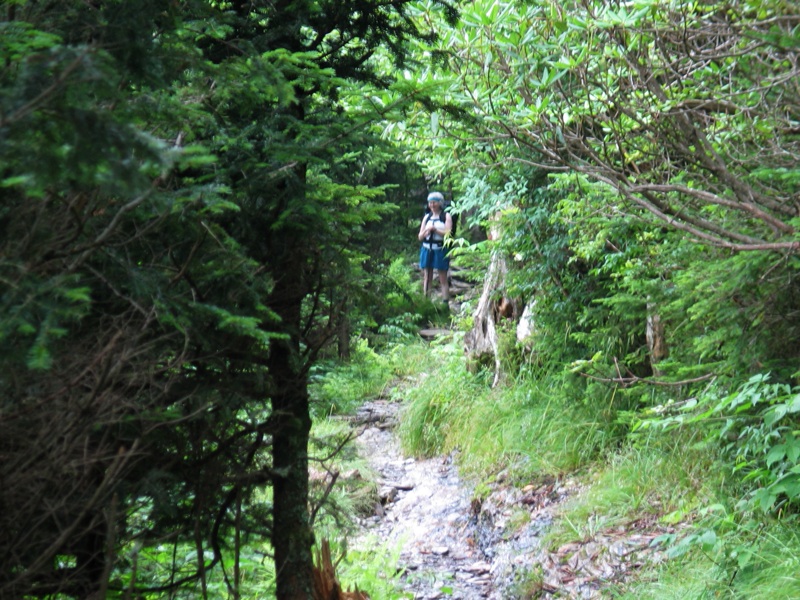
424,228
448,224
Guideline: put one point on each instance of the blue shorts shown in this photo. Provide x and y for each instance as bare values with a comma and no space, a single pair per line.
433,258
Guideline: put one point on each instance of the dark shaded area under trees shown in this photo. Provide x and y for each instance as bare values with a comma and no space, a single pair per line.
179,223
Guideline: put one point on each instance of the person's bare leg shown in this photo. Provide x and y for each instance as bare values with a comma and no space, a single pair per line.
427,281
443,283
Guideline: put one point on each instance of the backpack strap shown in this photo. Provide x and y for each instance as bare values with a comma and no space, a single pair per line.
443,218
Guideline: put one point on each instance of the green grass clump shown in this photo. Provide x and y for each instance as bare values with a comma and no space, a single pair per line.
373,567
440,384
337,387
530,426
663,478
341,387
753,561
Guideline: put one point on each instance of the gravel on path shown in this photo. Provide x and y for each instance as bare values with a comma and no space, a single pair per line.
448,548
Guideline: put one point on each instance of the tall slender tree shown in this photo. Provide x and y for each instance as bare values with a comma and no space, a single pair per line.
320,47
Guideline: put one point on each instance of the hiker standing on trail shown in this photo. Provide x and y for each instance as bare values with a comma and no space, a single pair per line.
435,225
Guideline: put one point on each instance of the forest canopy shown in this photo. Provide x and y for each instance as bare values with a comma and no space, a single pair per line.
200,199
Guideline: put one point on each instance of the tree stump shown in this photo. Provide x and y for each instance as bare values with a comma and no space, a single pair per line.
481,343
326,585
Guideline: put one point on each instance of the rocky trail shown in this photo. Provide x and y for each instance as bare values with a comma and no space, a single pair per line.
454,545
457,544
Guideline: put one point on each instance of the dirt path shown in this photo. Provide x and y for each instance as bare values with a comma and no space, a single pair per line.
452,546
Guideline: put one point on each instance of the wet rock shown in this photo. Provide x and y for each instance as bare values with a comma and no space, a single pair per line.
479,567
387,494
404,486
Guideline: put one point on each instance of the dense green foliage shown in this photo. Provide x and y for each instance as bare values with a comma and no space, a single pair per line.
199,200
643,184
186,189
639,163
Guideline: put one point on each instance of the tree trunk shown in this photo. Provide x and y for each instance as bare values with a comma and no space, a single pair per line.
656,338
343,333
481,341
292,536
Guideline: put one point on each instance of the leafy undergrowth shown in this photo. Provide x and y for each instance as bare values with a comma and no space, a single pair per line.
753,560
648,512
655,513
